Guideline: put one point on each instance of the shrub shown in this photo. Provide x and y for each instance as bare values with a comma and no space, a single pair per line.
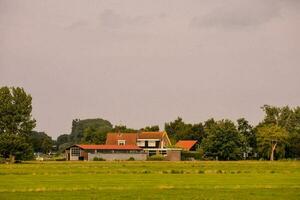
156,158
2,160
191,155
131,159
60,159
98,159
174,171
201,152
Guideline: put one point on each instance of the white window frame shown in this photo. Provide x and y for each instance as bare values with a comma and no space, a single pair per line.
151,143
75,151
141,143
121,142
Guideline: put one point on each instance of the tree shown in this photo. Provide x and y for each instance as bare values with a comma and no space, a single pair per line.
197,133
62,139
179,130
15,147
293,145
41,142
79,126
269,137
15,111
289,119
222,141
247,134
208,124
16,122
150,128
283,117
123,129
175,128
94,135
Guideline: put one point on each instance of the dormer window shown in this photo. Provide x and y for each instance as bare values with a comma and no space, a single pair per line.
121,142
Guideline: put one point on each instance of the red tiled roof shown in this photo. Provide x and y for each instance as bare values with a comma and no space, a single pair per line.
108,147
186,144
151,135
130,138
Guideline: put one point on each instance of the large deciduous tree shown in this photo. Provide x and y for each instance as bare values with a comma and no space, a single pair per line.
15,147
41,142
288,119
93,135
62,142
16,122
222,141
270,138
247,134
79,127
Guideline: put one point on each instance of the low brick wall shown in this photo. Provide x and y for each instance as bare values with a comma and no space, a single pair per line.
173,155
118,156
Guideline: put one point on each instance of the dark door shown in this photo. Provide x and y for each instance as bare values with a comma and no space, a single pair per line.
157,144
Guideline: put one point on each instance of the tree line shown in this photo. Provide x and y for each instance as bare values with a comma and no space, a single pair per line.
277,136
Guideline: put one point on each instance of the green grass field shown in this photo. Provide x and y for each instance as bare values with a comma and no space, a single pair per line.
150,180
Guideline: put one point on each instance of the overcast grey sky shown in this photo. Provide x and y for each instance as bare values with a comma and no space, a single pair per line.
139,62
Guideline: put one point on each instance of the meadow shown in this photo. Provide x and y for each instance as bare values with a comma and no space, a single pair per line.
151,180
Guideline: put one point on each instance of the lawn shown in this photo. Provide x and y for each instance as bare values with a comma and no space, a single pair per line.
150,180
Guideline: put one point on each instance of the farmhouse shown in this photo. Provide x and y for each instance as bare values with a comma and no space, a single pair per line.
151,142
122,146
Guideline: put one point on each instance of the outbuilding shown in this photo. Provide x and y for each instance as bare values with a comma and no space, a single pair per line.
187,145
107,152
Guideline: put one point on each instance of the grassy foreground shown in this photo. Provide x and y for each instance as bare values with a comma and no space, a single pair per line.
150,180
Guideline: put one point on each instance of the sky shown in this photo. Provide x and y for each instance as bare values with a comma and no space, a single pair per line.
146,62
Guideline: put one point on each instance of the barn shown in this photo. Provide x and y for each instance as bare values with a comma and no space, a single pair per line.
107,152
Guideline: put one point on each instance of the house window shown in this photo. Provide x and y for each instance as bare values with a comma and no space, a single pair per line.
152,152
121,142
75,151
163,152
151,143
141,143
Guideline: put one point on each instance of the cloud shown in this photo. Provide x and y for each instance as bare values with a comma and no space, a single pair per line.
110,19
239,14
